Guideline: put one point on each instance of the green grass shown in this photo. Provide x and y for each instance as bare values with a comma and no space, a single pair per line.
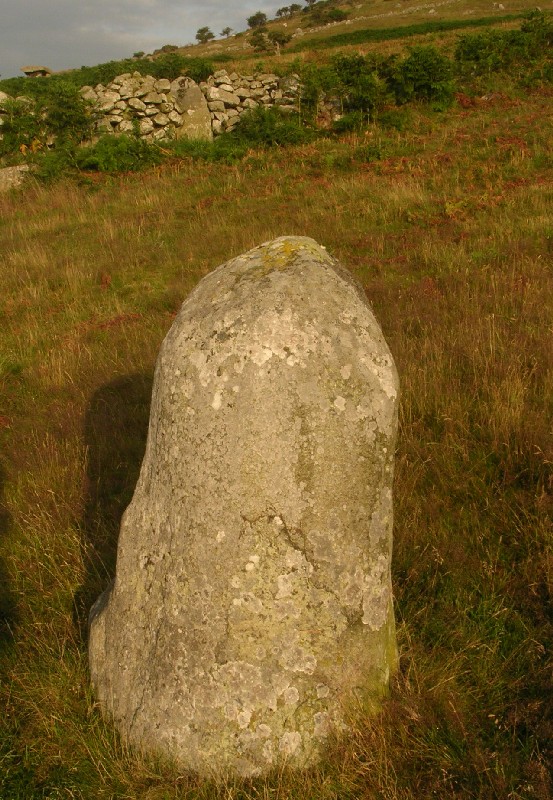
372,35
447,223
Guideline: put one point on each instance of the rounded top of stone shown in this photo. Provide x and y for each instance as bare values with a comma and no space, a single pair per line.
278,287
286,254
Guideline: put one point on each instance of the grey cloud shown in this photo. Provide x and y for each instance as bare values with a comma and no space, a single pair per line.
64,34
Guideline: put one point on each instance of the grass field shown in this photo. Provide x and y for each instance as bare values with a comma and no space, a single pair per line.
449,226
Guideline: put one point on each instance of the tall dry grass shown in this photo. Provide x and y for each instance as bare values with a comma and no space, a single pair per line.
450,231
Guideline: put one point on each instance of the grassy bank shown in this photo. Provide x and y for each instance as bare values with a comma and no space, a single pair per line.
448,225
373,35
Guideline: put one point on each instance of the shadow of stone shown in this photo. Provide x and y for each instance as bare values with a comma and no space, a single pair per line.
115,430
8,605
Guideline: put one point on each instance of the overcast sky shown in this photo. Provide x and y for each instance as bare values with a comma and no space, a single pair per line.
64,34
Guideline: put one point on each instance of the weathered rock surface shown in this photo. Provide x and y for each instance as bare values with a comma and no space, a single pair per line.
252,598
195,119
11,177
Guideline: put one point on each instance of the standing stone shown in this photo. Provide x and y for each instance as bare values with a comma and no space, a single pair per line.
252,600
192,105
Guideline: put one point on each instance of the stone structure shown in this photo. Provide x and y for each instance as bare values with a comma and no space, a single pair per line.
156,109
229,96
36,71
163,109
193,107
252,598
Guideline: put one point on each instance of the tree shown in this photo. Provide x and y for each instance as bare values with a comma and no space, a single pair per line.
278,39
283,12
294,8
259,41
204,35
226,32
257,20
310,2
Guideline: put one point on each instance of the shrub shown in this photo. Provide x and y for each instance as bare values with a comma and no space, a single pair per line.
109,154
22,127
259,41
53,164
65,113
352,121
336,15
360,82
225,149
118,154
267,127
395,119
427,75
501,51
60,114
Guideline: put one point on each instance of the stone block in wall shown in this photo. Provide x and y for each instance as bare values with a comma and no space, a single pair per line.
109,98
88,93
146,126
137,104
153,97
228,98
120,79
216,105
126,91
145,89
175,118
162,85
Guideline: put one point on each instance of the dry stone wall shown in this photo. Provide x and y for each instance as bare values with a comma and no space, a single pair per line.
229,96
156,109
160,109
